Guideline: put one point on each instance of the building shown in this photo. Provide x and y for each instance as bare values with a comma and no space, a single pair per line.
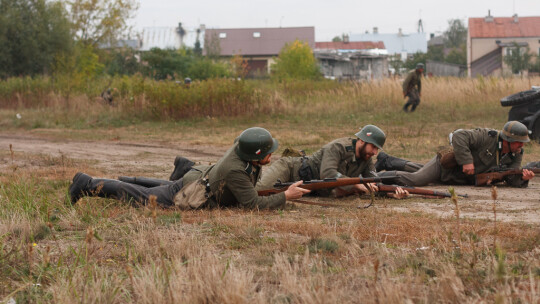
360,60
258,46
490,38
170,37
396,44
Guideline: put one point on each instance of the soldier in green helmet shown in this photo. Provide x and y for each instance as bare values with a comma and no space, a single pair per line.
343,157
471,152
230,182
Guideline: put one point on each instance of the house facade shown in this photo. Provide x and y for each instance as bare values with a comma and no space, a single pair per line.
258,46
361,60
491,38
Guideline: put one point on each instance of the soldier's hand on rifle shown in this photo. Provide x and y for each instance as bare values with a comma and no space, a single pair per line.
295,192
399,194
362,188
527,174
468,169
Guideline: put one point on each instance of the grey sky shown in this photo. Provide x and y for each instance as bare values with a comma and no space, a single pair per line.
330,18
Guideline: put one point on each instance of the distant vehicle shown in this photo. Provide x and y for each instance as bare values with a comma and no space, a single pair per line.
525,109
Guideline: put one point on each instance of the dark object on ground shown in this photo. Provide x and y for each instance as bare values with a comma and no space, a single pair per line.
525,109
107,96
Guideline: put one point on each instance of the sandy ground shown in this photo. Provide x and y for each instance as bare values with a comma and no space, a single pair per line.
115,158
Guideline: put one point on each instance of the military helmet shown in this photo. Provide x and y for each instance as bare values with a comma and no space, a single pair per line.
515,131
255,143
373,135
419,66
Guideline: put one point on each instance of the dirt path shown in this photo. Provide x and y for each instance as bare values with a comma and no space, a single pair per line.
156,160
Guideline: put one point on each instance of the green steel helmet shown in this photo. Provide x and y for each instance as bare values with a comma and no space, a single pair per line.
255,143
373,135
515,131
419,66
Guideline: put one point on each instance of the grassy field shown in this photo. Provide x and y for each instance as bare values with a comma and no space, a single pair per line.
102,251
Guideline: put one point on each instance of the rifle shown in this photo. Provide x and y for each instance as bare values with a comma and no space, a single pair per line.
498,174
420,191
326,183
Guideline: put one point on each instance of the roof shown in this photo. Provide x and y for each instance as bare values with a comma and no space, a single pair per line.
396,43
356,45
259,41
160,37
504,27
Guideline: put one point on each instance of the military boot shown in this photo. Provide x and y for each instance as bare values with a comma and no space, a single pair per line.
182,165
388,162
79,187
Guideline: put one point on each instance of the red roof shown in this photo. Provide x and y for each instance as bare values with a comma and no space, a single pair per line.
356,45
504,27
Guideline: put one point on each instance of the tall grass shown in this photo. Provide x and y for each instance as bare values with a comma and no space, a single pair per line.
446,99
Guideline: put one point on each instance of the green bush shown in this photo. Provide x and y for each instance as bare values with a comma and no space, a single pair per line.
296,61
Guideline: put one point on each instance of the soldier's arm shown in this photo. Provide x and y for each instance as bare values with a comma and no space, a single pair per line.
406,83
420,84
516,180
246,195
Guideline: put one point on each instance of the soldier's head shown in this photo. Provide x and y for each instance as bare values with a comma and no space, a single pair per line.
515,134
371,139
187,82
420,67
256,144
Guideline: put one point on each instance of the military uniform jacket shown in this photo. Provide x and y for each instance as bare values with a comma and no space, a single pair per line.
480,147
413,80
232,183
337,159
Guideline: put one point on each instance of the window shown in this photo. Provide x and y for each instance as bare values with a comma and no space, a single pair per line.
222,35
256,34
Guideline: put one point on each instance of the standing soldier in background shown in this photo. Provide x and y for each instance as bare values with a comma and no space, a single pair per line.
412,88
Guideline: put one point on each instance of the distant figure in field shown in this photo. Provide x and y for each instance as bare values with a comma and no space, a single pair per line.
412,88
187,82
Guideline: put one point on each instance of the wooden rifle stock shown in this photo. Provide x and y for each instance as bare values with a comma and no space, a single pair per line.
325,184
489,178
420,191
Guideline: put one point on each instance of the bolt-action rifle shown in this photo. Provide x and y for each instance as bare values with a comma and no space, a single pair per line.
340,182
497,175
326,183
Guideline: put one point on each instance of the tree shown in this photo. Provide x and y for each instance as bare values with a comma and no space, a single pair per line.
197,47
296,60
456,34
337,39
435,53
212,46
519,58
33,35
163,64
417,57
457,56
102,22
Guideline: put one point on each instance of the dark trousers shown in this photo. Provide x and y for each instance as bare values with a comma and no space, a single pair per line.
413,101
132,193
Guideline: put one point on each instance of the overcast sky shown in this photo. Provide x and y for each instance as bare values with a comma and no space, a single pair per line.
330,18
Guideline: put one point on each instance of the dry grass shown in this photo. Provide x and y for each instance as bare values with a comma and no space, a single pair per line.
101,251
